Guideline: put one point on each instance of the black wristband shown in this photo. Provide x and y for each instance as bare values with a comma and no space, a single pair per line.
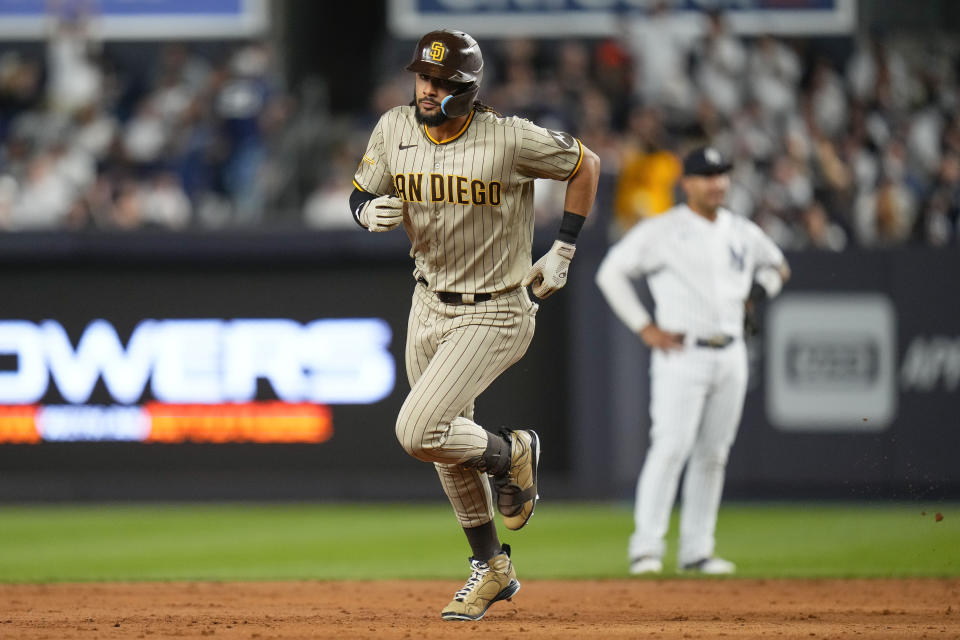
570,227
358,198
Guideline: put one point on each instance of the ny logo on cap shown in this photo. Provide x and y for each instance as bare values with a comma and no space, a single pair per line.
437,51
712,155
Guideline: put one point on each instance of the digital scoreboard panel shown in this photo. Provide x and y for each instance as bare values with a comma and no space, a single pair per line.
246,375
168,355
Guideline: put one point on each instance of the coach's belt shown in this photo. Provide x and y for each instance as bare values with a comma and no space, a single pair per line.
718,341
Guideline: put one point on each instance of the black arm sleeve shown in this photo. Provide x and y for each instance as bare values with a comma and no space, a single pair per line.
357,199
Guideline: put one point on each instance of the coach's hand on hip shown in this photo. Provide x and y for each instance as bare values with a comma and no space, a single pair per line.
382,214
549,273
656,338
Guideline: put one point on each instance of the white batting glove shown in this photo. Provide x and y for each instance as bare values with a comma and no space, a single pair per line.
382,214
550,272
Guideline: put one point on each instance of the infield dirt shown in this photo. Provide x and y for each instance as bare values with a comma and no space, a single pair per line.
732,608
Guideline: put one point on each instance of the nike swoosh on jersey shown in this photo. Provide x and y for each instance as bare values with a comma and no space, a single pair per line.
403,147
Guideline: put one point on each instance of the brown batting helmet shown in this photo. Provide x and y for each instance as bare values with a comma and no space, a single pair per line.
454,56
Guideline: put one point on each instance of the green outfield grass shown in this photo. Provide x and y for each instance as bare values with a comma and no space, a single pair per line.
564,540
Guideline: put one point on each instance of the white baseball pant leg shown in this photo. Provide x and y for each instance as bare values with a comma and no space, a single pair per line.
679,382
706,469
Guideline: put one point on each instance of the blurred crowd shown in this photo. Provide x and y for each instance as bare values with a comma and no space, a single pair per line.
857,145
830,151
174,141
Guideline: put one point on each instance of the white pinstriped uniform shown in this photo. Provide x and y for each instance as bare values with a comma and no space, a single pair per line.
470,223
699,272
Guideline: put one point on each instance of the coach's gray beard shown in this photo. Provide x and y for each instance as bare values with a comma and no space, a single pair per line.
431,121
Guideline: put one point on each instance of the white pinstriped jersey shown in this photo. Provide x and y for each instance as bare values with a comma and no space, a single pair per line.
470,197
699,272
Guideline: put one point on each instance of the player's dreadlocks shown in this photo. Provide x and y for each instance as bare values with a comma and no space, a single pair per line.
480,107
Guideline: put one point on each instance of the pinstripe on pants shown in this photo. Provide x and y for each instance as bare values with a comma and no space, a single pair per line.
453,353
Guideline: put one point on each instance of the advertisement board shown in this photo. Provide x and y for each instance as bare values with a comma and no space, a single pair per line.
137,19
831,362
280,379
273,367
858,380
604,18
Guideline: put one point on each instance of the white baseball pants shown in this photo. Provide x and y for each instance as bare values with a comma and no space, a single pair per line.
696,402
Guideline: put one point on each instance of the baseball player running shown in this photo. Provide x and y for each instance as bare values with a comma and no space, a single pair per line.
459,177
702,263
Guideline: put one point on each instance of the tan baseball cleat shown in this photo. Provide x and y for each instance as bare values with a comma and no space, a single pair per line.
517,489
489,582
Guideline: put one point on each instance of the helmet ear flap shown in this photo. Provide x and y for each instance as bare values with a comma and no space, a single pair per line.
460,103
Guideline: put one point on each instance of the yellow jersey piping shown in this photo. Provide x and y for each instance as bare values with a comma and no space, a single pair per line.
579,162
453,137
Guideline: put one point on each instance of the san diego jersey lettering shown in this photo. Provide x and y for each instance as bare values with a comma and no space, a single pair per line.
470,196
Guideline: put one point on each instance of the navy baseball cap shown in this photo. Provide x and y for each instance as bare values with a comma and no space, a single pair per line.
705,161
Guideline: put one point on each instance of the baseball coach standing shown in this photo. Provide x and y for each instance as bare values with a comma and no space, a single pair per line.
459,177
704,266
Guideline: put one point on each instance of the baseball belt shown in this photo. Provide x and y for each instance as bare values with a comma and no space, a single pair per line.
718,341
449,297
